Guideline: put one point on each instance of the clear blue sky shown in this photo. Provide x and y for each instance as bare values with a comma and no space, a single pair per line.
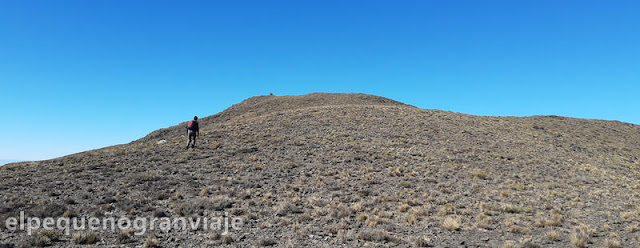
78,75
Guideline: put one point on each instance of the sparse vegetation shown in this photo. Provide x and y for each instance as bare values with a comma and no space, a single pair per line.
553,235
509,208
84,238
376,235
404,207
554,220
349,171
43,238
39,241
611,243
423,242
580,236
528,243
480,174
451,223
125,236
509,244
151,242
52,235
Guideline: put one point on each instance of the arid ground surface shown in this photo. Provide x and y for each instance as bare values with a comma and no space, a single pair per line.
347,170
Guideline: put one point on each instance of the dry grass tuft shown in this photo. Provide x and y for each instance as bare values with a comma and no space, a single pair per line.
44,238
633,228
528,243
377,235
151,242
509,244
404,207
611,243
579,239
627,215
511,221
451,223
553,236
84,238
423,242
554,220
508,208
481,175
53,235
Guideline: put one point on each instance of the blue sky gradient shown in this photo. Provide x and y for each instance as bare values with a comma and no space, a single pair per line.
79,75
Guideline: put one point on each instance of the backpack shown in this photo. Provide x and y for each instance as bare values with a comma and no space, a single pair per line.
191,125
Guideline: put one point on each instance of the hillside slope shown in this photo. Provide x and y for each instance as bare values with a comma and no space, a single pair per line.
261,105
350,170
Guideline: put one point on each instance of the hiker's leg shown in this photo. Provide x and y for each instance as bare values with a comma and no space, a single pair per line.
194,142
189,143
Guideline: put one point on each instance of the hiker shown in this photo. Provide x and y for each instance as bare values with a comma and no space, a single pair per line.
193,130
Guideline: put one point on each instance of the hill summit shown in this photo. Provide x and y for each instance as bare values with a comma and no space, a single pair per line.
349,170
262,105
